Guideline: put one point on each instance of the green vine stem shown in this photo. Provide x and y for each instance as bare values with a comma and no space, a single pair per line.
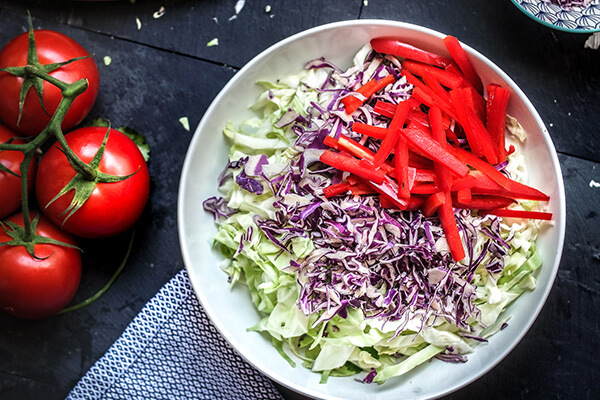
69,91
107,285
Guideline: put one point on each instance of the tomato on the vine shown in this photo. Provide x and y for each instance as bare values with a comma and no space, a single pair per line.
112,207
38,287
52,47
10,184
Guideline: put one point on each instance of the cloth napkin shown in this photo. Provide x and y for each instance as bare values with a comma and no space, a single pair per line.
171,350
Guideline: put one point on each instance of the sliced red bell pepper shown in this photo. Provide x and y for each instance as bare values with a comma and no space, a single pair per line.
424,188
447,78
511,213
351,103
389,142
401,163
451,136
497,103
384,108
377,132
424,175
451,232
418,161
454,69
347,163
475,102
336,189
427,95
359,186
431,81
483,202
389,189
432,203
414,113
350,146
404,50
460,56
480,183
444,179
389,109
415,203
427,145
464,196
477,135
385,202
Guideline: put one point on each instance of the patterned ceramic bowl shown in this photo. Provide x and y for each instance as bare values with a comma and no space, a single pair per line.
582,19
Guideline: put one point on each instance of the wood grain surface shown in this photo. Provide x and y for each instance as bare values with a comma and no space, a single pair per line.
162,70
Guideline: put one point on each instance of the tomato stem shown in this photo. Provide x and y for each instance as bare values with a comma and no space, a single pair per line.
107,285
35,70
29,233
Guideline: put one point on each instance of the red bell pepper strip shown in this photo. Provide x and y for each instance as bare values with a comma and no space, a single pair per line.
427,96
427,145
437,88
424,175
511,213
432,203
336,189
384,108
377,132
447,78
389,189
415,203
480,183
497,103
404,50
351,103
389,142
347,163
350,146
474,101
385,202
358,186
401,163
454,69
483,202
424,188
418,161
446,215
451,136
464,196
483,166
479,138
414,113
460,56
444,179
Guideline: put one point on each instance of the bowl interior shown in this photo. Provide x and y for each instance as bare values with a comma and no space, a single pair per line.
231,309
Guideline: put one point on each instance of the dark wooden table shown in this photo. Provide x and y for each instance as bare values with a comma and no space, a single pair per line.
162,70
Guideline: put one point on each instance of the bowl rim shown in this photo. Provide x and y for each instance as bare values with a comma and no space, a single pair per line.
560,224
551,25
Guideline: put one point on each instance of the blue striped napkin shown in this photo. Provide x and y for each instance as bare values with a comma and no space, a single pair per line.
171,350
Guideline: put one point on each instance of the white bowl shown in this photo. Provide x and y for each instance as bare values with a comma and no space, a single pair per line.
231,310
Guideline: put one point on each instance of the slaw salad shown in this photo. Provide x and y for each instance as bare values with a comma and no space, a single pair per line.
348,258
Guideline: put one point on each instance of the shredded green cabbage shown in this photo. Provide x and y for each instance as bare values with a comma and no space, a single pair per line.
354,344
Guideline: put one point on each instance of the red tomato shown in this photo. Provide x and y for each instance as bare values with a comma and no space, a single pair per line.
10,185
37,288
51,47
113,207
